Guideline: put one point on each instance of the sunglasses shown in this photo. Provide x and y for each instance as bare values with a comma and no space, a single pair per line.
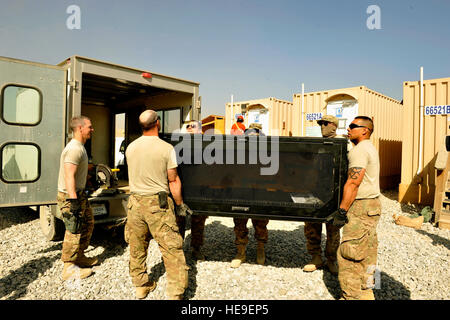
325,123
354,125
191,126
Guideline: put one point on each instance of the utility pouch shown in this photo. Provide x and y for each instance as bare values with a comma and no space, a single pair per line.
72,221
162,197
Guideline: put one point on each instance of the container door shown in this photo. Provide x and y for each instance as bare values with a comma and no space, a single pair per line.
346,111
32,113
260,116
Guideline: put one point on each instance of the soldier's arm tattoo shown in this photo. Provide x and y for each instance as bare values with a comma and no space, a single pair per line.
353,173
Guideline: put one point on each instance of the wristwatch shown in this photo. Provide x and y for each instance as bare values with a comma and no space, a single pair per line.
342,211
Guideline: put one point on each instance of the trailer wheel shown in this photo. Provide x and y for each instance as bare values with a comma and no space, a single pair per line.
52,227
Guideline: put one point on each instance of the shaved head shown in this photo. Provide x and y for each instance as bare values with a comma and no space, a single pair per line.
78,121
148,119
366,121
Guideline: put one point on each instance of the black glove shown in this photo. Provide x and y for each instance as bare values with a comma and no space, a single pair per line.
340,218
183,210
72,219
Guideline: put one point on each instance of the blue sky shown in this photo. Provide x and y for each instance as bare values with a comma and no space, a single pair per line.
251,49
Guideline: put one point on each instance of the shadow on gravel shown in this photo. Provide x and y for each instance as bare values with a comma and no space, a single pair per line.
57,246
278,256
111,240
332,284
219,246
437,240
18,280
12,216
391,289
276,253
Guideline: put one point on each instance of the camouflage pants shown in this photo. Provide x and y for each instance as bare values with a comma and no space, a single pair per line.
146,218
241,230
357,253
313,234
75,244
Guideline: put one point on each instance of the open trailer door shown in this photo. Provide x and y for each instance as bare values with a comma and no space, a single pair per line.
32,114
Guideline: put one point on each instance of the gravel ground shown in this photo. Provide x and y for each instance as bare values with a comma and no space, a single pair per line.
412,264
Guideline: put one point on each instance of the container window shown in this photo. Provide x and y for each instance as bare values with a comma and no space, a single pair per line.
170,120
20,162
21,105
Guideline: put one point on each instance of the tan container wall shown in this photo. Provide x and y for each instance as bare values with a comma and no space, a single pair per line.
387,117
420,188
386,113
280,115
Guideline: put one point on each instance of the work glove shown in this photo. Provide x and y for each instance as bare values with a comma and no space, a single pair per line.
72,219
183,210
340,218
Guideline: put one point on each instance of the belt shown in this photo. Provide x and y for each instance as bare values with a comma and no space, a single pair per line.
137,195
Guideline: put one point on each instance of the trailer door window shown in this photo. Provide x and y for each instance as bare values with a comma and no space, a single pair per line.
20,162
21,105
171,120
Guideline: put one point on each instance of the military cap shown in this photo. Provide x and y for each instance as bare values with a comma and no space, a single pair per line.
255,126
329,118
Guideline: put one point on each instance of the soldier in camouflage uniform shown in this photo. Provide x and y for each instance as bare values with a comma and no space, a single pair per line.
75,244
357,253
152,172
313,231
357,256
73,202
145,217
240,225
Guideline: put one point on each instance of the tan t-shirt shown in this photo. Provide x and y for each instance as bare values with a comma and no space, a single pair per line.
148,159
364,155
75,153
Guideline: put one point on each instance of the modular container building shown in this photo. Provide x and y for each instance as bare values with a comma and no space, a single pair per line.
348,103
418,178
217,123
273,114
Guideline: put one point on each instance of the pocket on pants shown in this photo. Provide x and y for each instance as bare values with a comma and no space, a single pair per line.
172,237
356,247
373,208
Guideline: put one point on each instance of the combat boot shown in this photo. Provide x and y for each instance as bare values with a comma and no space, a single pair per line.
142,292
315,263
72,271
240,257
84,261
260,254
332,267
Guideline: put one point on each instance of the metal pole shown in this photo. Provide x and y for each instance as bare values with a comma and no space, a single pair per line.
419,169
302,114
